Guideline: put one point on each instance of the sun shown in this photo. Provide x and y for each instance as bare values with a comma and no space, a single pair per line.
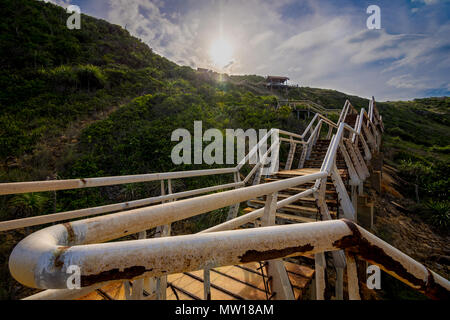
221,53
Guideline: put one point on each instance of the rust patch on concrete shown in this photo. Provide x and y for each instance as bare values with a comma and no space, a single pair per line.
114,274
366,250
254,255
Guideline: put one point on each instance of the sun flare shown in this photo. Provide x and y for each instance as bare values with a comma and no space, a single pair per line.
221,53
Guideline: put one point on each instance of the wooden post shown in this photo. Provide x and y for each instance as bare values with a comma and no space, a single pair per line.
138,285
163,231
320,266
339,284
234,209
207,284
275,269
291,155
301,163
352,276
344,199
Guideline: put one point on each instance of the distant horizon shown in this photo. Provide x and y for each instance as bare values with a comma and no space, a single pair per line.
406,59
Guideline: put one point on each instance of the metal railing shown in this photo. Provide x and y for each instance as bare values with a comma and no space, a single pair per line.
42,259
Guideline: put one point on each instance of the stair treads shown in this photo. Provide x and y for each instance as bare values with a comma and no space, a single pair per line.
218,292
249,278
237,288
302,184
170,295
298,172
115,290
298,190
299,270
308,199
294,218
290,206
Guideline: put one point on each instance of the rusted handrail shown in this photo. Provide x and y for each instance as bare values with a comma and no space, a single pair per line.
41,259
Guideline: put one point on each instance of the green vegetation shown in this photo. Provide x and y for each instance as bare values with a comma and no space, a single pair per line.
417,143
99,102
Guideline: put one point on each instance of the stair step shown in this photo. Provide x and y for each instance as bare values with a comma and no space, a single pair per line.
297,219
308,199
299,190
227,284
294,208
275,179
299,270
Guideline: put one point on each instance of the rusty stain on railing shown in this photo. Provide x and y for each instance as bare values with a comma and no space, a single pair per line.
41,259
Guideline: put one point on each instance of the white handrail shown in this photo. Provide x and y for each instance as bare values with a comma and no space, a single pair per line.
29,266
41,259
82,213
55,185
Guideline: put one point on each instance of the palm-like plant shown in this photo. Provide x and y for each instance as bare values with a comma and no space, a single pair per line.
439,213
28,204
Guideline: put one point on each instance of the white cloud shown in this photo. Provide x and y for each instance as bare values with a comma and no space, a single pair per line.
427,2
406,81
320,49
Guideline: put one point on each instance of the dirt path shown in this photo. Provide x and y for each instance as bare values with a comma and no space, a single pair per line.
50,150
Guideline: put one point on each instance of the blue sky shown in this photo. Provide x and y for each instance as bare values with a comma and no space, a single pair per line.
317,43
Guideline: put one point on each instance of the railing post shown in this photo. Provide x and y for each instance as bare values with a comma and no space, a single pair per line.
344,199
360,167
275,154
355,200
207,284
359,159
352,278
270,210
370,137
339,289
234,209
367,152
338,256
138,285
317,136
320,266
290,158
354,177
163,231
301,163
280,283
330,132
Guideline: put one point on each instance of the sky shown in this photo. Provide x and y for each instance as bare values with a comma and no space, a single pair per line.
316,43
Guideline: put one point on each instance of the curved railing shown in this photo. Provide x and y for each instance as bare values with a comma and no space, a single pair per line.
42,259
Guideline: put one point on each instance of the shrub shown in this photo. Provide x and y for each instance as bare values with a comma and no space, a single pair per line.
28,204
438,214
62,76
445,150
90,77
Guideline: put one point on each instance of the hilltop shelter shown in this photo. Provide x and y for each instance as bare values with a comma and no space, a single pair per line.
276,82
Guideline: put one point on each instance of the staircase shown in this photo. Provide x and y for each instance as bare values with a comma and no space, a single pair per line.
214,264
242,282
304,210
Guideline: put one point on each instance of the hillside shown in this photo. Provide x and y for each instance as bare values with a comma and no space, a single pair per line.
100,102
